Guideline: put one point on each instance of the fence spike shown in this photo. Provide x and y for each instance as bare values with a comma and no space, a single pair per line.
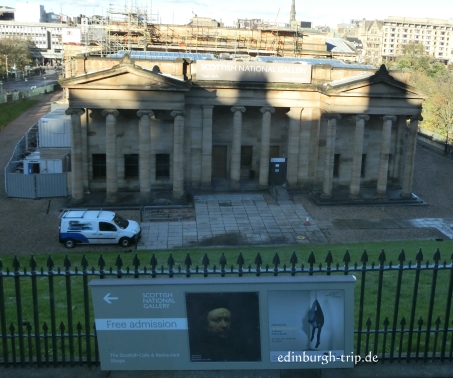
188,261
240,261
382,258
1,265
153,261
79,327
311,258
33,264
223,260
62,327
101,263
402,257
420,321
369,322
84,263
67,264
436,257
364,258
136,262
403,322
171,261
329,258
293,259
258,260
419,257
16,264
276,260
205,261
386,321
437,322
119,262
347,258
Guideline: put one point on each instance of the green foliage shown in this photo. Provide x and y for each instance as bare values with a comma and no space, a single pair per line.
436,81
18,51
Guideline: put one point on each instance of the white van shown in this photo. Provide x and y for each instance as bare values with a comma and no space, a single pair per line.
96,227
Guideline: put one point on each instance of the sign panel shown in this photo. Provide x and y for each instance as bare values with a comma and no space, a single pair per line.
253,71
224,323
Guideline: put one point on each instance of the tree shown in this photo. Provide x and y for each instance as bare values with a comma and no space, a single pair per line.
18,52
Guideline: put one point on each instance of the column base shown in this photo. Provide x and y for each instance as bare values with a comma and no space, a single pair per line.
354,196
381,195
407,195
111,200
325,196
76,201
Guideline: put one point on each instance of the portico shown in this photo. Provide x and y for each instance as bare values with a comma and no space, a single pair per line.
140,129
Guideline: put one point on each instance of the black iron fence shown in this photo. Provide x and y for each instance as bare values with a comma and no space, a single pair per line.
402,309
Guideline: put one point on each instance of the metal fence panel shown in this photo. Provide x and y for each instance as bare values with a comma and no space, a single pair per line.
20,185
51,185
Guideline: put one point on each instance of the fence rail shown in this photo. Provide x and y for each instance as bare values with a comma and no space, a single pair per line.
402,310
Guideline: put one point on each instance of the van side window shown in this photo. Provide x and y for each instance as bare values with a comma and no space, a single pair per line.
76,226
104,226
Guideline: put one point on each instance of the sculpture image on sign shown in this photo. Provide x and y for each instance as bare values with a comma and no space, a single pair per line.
223,326
296,319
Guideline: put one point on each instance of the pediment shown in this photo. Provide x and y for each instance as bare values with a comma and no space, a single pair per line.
126,75
381,84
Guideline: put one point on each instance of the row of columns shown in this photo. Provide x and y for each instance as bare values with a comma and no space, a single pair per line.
383,168
145,145
297,151
235,170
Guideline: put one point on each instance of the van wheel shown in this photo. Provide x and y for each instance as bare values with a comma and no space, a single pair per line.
125,242
69,243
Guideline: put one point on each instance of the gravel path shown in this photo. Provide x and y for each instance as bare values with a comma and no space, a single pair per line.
31,226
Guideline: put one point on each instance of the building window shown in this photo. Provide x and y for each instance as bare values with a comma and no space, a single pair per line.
336,165
246,156
131,162
162,166
99,166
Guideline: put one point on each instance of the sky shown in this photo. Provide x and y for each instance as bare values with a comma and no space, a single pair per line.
320,13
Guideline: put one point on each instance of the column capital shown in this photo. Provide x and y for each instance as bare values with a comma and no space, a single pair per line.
265,109
360,117
142,113
75,111
294,111
107,112
330,116
235,109
178,113
389,118
415,117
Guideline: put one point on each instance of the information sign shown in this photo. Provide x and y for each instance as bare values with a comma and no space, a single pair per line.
225,323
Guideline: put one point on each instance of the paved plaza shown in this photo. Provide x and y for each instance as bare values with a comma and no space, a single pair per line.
234,219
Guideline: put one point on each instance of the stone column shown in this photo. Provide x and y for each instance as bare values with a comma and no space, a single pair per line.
295,115
265,144
178,155
206,147
144,133
111,158
76,156
381,190
329,155
236,146
410,157
354,189
399,153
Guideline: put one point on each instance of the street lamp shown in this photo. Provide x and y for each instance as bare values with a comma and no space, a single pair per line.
45,81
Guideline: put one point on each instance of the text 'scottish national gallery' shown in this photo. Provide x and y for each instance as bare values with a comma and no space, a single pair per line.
143,125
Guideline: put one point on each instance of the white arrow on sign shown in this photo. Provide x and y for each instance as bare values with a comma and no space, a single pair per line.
108,298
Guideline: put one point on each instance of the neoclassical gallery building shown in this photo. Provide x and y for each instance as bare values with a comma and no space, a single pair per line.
143,125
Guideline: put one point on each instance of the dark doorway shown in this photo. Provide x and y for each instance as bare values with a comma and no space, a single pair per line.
219,162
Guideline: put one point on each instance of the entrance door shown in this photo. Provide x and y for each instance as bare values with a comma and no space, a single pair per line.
219,162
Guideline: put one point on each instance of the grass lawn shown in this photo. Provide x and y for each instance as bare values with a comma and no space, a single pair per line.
11,110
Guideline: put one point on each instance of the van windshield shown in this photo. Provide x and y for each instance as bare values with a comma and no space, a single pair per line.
120,221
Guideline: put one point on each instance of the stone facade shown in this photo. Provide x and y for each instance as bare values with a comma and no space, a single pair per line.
145,126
